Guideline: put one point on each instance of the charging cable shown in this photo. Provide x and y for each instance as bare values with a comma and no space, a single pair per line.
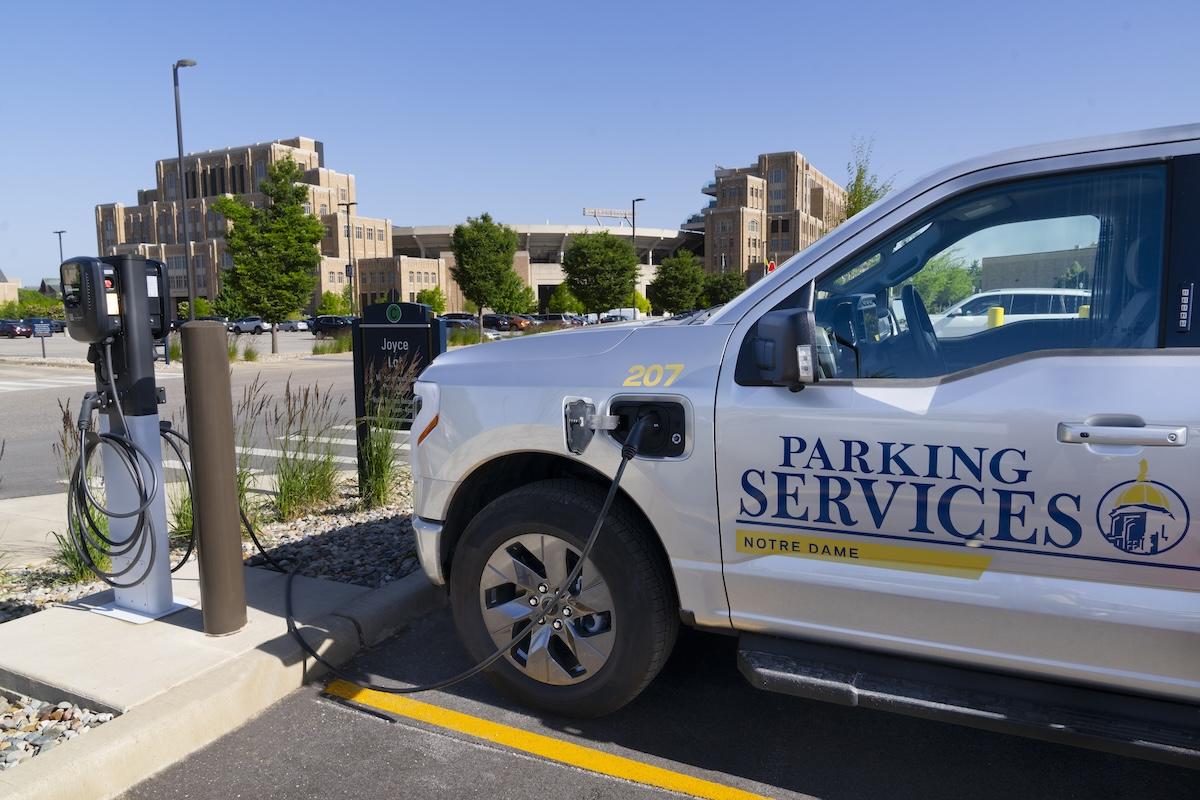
628,450
83,506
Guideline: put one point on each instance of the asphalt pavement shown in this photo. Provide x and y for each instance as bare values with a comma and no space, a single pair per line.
699,719
30,417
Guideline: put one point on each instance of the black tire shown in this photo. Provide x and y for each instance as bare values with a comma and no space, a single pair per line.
644,603
257,331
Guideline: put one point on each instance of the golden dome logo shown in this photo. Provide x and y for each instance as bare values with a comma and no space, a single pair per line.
1142,516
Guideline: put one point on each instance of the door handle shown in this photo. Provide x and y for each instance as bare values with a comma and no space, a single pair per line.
1143,435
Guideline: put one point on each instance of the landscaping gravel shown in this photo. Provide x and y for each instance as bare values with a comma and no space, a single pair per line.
343,543
30,727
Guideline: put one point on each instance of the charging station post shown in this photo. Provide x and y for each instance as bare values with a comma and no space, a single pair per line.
208,396
116,305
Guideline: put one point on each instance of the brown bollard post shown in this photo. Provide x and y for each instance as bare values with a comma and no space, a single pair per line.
215,517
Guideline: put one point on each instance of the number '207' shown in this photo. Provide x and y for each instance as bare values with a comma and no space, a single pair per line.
653,374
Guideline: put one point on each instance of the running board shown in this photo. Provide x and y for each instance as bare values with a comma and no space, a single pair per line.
1142,727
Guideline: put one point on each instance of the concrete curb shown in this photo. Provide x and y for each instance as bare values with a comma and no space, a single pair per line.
148,738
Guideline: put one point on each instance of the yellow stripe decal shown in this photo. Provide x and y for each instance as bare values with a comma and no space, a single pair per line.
847,551
545,746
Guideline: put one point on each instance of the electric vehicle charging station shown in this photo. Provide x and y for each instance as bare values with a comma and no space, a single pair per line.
117,305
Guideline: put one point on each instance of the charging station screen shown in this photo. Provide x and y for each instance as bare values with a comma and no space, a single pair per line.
70,277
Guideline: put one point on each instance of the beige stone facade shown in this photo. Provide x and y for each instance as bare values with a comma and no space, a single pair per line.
423,259
8,289
767,212
154,227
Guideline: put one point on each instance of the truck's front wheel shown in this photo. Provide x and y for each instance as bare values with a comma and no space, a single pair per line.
596,649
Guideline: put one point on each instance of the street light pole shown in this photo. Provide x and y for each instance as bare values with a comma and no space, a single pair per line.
633,222
350,246
181,190
60,252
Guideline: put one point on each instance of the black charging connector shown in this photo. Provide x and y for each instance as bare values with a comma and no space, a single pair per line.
665,434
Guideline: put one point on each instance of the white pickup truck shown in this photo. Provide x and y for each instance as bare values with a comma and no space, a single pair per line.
994,529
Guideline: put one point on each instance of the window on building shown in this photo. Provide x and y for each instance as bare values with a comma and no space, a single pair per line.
379,234
358,231
754,226
346,230
411,278
412,297
371,234
342,194
340,277
308,208
331,276
324,209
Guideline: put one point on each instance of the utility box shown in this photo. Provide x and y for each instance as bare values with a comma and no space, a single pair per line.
387,339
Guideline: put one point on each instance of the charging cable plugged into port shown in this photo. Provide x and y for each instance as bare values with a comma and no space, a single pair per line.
638,428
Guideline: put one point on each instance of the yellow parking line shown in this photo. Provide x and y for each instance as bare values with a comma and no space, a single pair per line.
545,746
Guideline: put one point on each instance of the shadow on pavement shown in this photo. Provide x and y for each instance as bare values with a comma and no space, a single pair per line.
701,712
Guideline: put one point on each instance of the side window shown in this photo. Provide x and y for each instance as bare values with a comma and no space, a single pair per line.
1075,260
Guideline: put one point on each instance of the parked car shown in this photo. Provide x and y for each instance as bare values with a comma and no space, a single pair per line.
994,530
330,325
12,328
293,325
971,315
614,318
255,325
498,322
223,320
468,325
458,315
530,318
560,319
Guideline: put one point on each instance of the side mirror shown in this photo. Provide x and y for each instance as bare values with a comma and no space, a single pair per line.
785,348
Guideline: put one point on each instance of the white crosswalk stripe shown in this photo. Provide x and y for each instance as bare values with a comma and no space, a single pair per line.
26,381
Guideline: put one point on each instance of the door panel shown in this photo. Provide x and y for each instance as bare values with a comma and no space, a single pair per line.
949,520
1019,498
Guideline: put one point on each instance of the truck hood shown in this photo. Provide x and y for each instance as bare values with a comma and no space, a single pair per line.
568,344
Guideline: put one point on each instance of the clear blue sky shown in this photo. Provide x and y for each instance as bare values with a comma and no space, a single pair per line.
532,110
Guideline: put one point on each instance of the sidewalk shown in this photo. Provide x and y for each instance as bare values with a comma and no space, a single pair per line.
177,688
25,526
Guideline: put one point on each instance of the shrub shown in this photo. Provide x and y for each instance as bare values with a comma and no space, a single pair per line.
339,343
249,353
174,347
231,346
71,564
387,406
463,336
305,472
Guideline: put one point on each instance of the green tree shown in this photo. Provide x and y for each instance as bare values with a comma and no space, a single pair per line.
204,308
274,248
563,302
600,270
636,300
863,186
512,296
678,283
1076,277
720,288
483,255
333,303
433,298
943,281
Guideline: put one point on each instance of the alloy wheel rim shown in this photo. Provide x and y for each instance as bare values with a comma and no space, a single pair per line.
560,645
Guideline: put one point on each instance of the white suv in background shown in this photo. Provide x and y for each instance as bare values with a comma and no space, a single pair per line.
253,325
971,315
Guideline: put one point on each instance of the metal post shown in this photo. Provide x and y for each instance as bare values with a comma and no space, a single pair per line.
636,200
350,245
209,402
60,252
133,363
181,192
